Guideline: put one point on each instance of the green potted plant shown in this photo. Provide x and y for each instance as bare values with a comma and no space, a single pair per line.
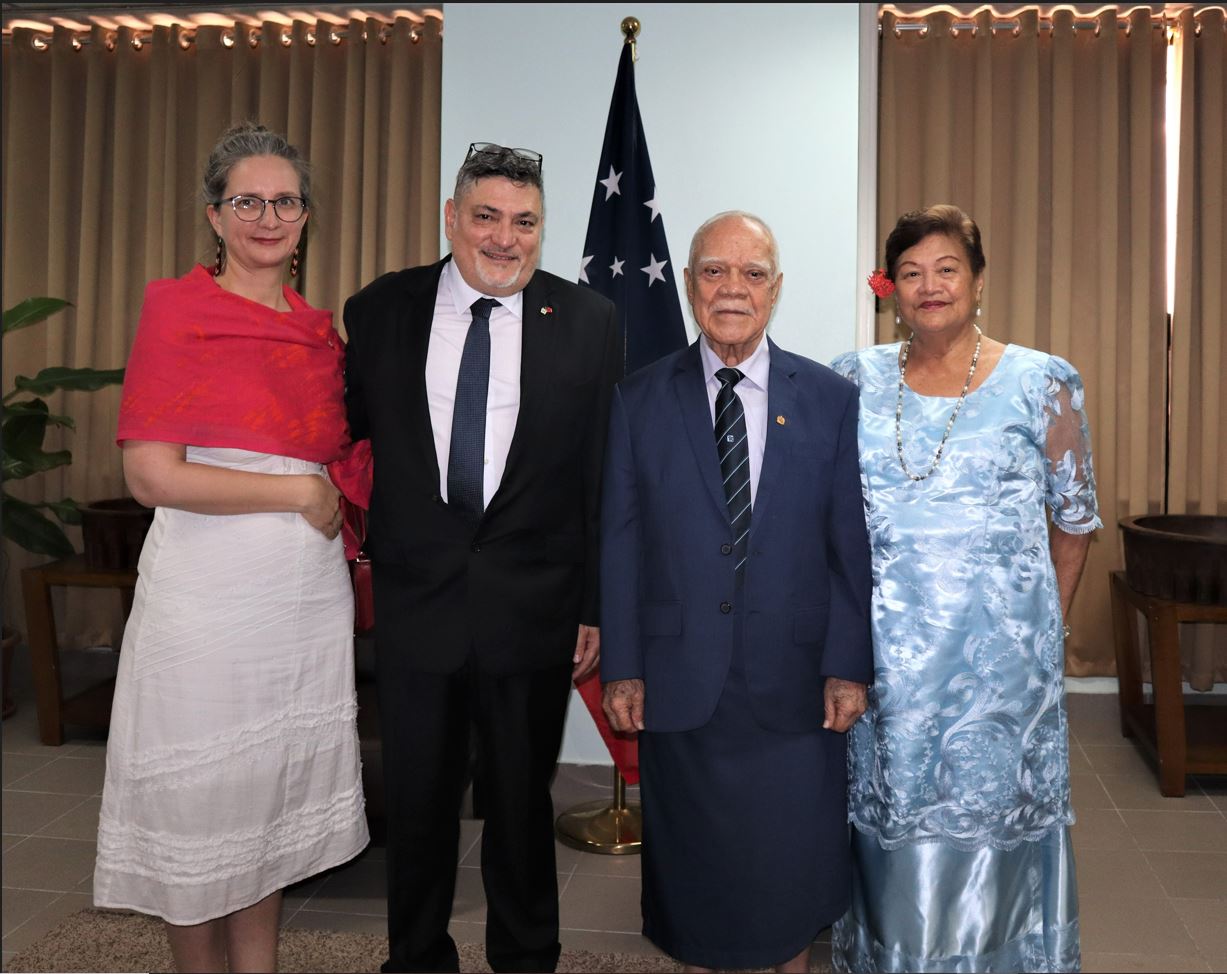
24,428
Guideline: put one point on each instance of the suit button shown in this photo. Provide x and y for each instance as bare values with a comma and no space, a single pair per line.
436,499
726,549
475,548
726,607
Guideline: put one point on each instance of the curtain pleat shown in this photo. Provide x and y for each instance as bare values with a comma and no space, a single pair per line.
103,151
1052,140
1198,479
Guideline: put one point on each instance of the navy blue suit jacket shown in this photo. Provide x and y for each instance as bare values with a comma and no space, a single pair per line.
668,599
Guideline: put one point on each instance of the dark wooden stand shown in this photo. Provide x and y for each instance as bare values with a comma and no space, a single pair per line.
1185,741
91,707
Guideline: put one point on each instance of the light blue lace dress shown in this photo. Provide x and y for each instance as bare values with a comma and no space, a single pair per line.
959,770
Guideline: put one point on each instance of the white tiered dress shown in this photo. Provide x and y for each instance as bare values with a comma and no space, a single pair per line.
233,767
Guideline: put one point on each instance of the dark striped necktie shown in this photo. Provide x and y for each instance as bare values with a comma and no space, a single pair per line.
467,455
734,451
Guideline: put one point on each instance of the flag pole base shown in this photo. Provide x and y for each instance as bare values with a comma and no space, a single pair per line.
607,829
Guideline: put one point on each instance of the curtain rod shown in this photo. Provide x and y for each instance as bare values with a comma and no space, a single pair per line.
229,37
958,24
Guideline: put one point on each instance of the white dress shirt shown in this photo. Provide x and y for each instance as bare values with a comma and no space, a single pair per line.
448,331
752,391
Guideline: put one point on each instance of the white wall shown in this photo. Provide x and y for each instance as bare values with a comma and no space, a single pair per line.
750,107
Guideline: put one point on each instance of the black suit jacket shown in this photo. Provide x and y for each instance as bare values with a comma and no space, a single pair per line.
514,586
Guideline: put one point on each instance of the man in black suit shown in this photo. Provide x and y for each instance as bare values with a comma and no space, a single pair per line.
487,420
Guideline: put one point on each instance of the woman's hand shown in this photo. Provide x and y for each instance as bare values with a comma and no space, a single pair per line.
322,506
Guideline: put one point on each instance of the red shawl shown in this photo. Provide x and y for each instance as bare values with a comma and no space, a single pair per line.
212,368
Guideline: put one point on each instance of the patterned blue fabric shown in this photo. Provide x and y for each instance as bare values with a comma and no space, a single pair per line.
965,742
928,907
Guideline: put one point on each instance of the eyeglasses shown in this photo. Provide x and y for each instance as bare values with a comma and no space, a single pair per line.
289,209
498,151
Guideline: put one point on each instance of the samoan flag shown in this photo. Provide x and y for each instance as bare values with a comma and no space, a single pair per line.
626,256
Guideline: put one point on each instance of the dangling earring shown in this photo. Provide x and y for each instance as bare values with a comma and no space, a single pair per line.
898,320
220,263
295,260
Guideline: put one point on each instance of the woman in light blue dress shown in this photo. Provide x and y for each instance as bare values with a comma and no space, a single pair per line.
959,770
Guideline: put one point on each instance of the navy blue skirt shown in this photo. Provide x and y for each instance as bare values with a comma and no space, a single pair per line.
745,837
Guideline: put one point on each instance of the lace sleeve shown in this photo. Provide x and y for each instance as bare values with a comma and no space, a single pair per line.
1067,448
846,365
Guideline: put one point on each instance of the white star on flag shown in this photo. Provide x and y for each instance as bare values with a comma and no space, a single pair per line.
611,183
655,270
583,269
616,266
654,207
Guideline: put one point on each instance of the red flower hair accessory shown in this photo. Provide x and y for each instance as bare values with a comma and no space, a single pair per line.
881,285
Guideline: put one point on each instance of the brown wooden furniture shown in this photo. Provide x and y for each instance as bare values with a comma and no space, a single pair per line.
91,707
1186,741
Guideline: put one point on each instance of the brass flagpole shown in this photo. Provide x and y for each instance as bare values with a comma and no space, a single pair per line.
611,830
608,829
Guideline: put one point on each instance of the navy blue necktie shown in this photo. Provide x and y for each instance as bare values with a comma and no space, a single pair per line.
734,451
467,455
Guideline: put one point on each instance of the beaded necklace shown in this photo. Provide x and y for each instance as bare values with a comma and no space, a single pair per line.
954,415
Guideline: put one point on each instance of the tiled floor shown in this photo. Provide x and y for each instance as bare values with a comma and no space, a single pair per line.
1152,871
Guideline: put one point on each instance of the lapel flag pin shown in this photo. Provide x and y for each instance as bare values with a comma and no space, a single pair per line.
780,420
546,309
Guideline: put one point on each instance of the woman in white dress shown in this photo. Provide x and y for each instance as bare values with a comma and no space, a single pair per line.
233,764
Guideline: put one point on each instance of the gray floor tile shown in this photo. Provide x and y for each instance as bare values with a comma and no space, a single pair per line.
80,822
47,919
1101,828
56,865
1178,831
359,887
1087,791
1206,921
66,776
1138,791
26,812
1127,925
469,903
1124,758
608,903
21,904
1193,875
1104,874
17,766
1103,963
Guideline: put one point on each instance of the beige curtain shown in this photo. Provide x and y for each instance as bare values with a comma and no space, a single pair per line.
104,143
1052,140
1198,483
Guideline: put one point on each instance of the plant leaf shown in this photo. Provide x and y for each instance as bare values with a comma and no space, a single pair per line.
23,434
29,406
31,311
67,510
28,528
61,377
18,468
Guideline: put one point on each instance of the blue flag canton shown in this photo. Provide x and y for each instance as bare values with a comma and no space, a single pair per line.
626,254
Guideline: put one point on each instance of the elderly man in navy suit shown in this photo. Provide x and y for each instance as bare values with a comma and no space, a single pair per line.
735,586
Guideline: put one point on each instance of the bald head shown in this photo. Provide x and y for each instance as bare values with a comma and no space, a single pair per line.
733,282
752,223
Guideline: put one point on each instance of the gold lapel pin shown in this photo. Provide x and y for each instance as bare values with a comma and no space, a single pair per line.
780,420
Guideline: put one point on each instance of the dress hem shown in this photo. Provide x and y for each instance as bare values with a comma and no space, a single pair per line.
213,915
